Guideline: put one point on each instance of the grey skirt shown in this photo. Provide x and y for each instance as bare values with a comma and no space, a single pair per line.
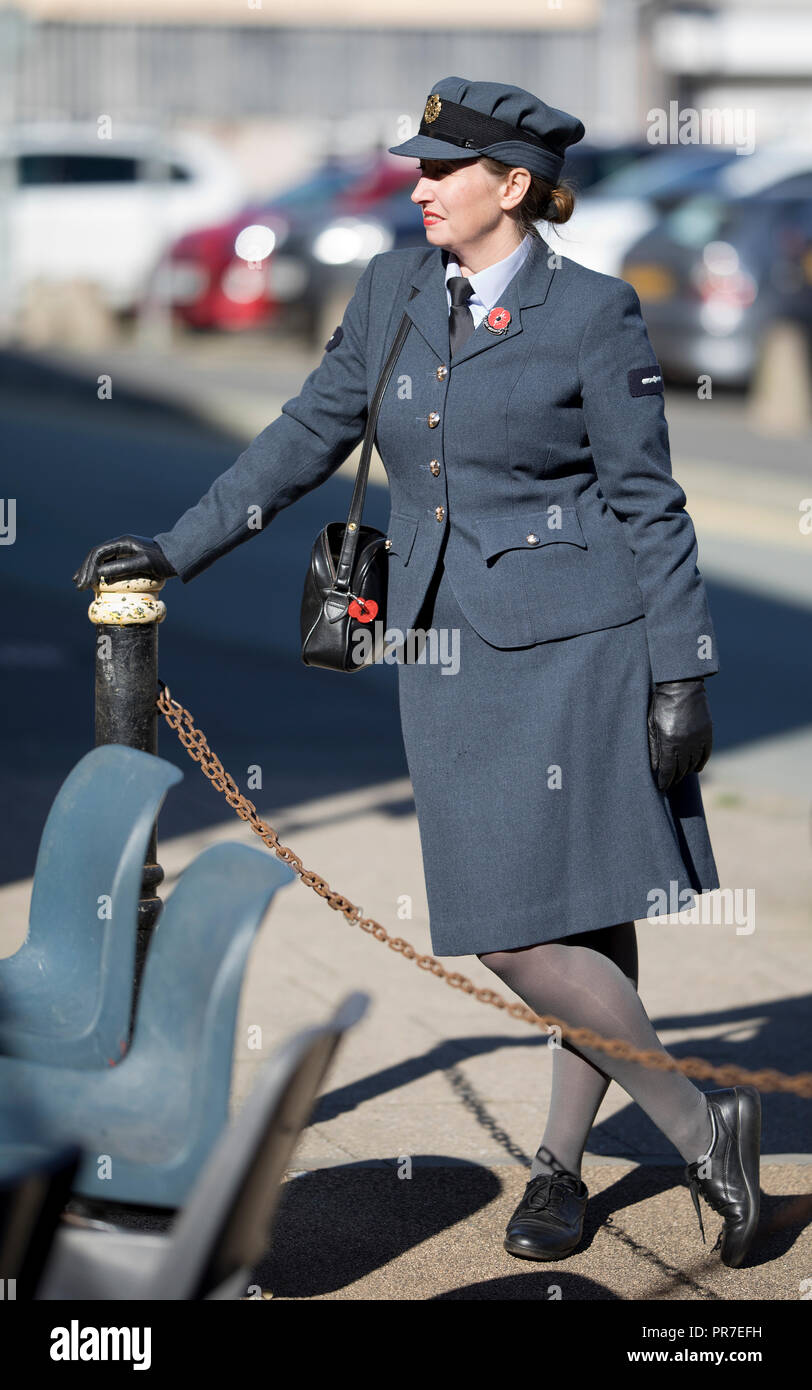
538,812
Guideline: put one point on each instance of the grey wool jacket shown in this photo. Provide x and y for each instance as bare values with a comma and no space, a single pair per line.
541,448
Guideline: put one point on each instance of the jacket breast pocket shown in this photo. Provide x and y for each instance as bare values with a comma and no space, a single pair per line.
522,532
400,536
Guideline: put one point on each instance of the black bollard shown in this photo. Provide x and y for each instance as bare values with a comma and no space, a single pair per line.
126,616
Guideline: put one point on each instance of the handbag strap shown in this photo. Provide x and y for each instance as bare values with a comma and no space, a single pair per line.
352,530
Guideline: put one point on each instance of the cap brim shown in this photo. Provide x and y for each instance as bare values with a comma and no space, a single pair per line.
424,147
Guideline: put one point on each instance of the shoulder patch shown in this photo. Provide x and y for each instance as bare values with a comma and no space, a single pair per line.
646,381
335,340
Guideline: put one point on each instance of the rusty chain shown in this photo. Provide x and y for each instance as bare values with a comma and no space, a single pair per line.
196,745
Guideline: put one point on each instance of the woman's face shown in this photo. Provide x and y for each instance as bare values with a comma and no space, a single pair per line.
462,201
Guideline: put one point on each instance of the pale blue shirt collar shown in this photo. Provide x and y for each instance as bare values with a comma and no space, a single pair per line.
489,284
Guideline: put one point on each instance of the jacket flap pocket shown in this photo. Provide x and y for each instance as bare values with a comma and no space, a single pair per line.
522,532
400,535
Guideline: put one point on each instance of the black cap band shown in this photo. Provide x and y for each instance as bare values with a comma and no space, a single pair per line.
461,125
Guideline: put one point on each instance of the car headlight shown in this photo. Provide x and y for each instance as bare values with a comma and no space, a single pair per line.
255,243
350,240
243,282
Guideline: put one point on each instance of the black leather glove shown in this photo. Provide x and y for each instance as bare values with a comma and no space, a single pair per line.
127,557
680,730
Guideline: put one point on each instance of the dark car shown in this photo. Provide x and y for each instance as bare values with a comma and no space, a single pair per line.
718,272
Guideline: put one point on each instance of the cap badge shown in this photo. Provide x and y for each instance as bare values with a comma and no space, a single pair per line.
433,108
498,320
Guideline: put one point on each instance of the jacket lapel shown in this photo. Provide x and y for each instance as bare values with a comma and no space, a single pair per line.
428,309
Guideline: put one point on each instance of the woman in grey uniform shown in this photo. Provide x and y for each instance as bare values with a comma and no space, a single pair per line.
535,516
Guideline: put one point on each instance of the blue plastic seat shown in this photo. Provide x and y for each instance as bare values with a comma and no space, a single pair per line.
148,1124
66,995
222,1233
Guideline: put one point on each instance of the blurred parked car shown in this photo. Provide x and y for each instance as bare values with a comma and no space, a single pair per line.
718,272
246,272
612,214
84,208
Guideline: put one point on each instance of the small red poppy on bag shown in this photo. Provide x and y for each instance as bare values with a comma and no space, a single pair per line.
365,614
498,320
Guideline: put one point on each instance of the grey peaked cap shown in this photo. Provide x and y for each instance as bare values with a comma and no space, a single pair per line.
464,119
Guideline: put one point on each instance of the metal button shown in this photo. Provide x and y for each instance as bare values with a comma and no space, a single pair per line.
435,466
439,513
387,545
531,539
442,373
434,420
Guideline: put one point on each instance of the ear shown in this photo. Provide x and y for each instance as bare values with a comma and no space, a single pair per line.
517,182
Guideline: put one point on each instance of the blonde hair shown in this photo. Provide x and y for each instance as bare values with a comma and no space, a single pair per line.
543,201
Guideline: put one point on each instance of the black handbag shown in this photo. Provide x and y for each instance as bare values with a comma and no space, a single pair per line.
345,587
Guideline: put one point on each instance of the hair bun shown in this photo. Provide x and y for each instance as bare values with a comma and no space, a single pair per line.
561,204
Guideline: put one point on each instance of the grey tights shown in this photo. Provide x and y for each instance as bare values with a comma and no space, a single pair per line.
590,980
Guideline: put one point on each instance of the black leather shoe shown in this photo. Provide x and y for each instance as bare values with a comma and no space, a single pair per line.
728,1176
548,1222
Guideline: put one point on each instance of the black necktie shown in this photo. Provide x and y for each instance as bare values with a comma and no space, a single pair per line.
461,320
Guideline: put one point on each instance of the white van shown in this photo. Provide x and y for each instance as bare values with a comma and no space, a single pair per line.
76,206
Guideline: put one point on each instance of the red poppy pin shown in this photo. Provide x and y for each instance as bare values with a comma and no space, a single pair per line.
498,320
364,609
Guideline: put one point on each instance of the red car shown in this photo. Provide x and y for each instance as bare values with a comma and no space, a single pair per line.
236,276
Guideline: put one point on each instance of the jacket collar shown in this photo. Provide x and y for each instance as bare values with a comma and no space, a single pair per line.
428,310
